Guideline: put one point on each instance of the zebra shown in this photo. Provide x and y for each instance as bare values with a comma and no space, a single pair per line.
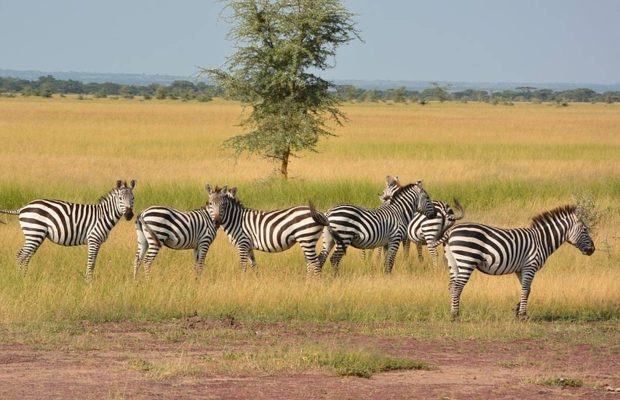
269,231
364,228
422,230
159,226
522,251
71,224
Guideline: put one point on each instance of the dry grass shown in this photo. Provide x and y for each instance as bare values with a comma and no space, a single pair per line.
506,164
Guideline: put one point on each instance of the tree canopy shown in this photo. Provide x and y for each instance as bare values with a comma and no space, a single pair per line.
279,45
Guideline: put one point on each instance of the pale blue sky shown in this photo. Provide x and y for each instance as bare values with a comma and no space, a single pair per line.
468,40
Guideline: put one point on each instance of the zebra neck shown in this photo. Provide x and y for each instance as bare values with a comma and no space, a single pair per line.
403,205
233,218
551,237
109,211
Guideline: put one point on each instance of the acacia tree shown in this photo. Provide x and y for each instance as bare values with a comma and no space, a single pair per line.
279,43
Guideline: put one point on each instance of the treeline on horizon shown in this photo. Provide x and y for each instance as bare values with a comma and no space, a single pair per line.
46,86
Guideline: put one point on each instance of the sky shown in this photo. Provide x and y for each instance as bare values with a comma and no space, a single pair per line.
538,41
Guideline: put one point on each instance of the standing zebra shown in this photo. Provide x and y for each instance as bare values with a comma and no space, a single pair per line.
364,228
423,230
162,226
71,224
269,231
523,251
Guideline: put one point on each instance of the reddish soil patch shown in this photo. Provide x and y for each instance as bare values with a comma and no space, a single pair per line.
461,369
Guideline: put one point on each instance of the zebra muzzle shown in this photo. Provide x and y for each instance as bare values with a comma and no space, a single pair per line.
129,214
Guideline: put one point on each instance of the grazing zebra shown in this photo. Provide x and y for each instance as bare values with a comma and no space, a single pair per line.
70,224
162,226
523,251
363,228
269,231
423,230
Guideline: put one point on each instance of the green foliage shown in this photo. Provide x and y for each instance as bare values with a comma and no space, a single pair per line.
278,43
160,93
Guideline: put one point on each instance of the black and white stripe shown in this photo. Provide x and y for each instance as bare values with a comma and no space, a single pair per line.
523,251
268,231
428,231
71,224
364,228
180,230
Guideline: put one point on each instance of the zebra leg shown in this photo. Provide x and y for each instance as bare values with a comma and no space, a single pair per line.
151,253
525,278
93,251
406,248
390,255
418,247
30,247
313,265
245,255
200,253
341,249
142,248
459,282
433,250
252,259
328,245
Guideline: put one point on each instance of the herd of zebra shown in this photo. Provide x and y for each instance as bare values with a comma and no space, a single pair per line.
406,214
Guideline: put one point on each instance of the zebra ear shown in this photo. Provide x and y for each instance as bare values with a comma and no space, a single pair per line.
232,192
209,188
132,184
119,183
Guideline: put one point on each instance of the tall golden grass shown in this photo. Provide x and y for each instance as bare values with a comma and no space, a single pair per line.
505,163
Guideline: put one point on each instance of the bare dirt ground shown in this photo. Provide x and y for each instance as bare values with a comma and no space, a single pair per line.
115,360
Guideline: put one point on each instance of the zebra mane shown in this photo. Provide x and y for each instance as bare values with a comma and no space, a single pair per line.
233,200
547,216
107,195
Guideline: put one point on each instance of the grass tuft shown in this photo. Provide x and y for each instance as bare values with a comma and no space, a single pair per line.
561,382
364,363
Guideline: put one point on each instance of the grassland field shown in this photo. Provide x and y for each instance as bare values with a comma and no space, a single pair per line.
505,164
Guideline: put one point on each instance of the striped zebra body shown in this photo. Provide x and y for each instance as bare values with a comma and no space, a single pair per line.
522,251
71,224
366,228
179,230
268,231
423,230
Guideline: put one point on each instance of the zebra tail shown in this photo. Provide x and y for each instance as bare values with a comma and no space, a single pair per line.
140,224
11,212
321,219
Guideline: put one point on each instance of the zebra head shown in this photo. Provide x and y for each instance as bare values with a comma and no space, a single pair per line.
218,201
392,184
578,234
124,198
425,205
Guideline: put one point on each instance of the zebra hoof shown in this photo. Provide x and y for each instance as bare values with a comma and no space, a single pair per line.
523,317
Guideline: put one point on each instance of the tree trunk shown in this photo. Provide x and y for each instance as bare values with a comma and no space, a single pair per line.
284,165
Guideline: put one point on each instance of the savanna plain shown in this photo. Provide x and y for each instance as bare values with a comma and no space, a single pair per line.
276,333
